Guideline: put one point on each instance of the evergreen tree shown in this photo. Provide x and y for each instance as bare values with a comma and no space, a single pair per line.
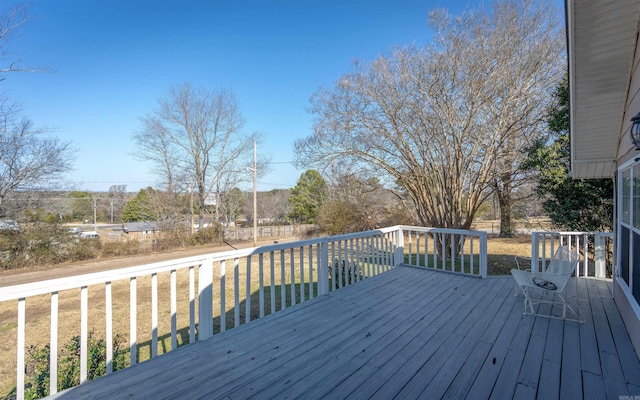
307,197
573,204
81,206
139,208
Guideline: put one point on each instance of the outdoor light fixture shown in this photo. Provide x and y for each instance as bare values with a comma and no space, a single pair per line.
635,131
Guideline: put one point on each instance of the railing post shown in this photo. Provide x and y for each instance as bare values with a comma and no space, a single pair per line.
53,343
599,255
483,254
20,343
535,245
323,272
399,251
205,300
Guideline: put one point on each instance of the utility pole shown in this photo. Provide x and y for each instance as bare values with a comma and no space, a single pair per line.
255,191
255,194
95,222
191,209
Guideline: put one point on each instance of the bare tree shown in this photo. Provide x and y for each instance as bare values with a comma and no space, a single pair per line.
273,206
230,205
29,160
434,122
13,17
194,138
169,209
367,200
155,144
528,46
117,199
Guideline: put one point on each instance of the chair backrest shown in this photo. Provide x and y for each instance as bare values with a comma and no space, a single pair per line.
564,262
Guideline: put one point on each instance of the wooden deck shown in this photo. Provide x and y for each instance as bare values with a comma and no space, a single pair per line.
407,333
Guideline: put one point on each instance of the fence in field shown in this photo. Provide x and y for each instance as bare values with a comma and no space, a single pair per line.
595,248
219,291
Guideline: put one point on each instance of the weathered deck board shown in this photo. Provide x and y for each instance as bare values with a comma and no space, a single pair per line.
408,333
317,378
614,379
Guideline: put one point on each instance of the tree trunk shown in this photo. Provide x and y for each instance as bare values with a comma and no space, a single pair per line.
505,201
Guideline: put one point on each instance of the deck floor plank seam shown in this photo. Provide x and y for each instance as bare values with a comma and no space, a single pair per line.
471,327
352,345
379,310
462,384
571,383
612,373
228,347
487,377
423,319
589,350
548,387
317,383
368,364
628,361
455,340
290,350
408,359
505,385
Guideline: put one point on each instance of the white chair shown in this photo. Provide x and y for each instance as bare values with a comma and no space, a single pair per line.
551,279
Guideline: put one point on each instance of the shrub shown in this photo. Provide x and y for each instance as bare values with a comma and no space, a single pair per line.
350,273
171,239
338,217
38,243
121,248
69,364
84,249
212,234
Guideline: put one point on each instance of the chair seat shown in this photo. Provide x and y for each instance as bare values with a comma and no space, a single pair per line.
534,279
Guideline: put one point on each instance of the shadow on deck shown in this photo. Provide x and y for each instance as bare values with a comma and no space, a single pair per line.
407,333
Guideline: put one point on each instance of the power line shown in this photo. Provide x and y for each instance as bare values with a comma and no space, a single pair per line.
275,184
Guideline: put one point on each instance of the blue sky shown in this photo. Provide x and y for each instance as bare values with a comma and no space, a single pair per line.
111,60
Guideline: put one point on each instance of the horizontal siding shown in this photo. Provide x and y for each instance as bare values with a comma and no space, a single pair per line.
626,150
594,170
603,52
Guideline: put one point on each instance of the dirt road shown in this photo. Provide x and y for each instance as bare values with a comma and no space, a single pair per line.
20,276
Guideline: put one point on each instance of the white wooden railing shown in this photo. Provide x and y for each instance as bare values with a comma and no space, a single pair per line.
287,274
450,250
544,245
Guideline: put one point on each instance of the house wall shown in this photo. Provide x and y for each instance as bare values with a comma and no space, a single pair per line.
629,311
626,150
623,292
141,235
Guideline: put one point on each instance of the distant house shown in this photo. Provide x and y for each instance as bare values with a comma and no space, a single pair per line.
140,229
9,225
211,199
262,221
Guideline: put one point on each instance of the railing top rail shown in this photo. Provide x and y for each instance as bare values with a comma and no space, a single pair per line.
607,234
73,282
440,230
78,281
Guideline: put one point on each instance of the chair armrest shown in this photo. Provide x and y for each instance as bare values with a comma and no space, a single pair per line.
520,259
